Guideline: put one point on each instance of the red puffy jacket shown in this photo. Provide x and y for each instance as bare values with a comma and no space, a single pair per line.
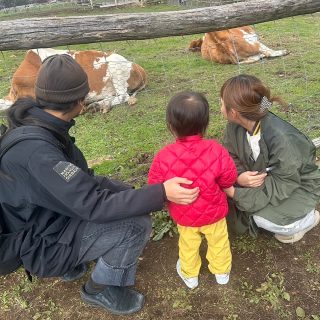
209,166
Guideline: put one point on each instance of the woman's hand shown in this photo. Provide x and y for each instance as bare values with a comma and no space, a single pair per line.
229,192
251,179
176,193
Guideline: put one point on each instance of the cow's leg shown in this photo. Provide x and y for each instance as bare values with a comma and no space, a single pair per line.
252,59
106,100
269,53
121,97
103,106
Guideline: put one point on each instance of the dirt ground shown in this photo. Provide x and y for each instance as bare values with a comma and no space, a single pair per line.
269,280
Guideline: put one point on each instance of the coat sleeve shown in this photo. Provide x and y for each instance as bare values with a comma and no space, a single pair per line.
229,141
64,188
111,184
228,170
155,173
280,183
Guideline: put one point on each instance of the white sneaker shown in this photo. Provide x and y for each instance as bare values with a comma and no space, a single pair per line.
222,278
190,282
299,235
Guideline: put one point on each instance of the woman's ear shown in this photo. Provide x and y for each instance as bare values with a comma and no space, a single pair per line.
234,114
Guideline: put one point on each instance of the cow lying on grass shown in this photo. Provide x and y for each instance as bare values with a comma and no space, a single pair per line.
112,78
235,46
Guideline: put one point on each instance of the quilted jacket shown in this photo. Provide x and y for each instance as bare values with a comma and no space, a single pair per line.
209,166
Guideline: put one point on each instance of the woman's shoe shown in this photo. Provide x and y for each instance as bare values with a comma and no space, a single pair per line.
299,235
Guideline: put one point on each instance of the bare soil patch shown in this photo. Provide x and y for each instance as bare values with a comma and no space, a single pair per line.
269,280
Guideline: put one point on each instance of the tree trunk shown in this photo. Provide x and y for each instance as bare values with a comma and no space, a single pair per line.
49,32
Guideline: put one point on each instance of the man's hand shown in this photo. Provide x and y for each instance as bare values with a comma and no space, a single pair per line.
176,193
251,179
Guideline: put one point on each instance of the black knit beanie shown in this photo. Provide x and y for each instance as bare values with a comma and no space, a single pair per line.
61,80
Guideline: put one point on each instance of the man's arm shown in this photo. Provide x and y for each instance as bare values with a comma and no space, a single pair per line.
66,189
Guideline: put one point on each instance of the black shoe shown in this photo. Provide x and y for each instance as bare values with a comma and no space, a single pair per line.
117,300
75,274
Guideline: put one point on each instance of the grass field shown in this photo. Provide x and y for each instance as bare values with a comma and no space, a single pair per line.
270,281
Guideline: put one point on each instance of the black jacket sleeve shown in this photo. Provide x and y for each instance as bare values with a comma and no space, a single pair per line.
62,187
111,184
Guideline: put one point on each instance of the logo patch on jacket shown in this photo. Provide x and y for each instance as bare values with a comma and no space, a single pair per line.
66,170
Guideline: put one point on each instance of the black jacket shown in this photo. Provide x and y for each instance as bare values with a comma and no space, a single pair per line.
50,192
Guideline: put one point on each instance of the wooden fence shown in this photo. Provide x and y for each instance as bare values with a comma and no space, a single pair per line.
54,31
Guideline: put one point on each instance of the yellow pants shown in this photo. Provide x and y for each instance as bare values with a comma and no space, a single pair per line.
218,253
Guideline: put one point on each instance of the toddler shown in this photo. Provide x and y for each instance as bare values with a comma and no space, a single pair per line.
209,166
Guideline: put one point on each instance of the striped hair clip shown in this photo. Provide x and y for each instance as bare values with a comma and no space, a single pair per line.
265,104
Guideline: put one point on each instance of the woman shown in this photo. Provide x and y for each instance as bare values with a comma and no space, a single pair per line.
66,215
278,184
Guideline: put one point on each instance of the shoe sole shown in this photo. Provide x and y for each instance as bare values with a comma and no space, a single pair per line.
97,304
304,231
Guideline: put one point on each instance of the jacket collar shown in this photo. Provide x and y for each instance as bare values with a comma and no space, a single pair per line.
256,129
197,137
50,119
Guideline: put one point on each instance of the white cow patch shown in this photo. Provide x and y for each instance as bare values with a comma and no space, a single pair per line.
118,72
44,53
99,62
251,38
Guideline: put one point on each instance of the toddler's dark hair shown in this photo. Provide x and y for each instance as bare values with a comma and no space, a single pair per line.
188,114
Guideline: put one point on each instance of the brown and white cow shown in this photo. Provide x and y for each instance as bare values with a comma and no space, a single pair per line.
111,77
235,46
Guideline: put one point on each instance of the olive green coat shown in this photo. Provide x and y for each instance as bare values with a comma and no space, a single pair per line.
292,189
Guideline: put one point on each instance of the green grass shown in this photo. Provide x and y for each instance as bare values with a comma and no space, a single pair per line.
126,132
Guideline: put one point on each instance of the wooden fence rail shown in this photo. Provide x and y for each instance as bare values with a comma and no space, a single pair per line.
55,31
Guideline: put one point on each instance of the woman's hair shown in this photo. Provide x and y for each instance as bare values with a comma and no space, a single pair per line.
247,95
188,114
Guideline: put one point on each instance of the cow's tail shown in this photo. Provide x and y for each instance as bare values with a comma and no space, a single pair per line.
195,45
138,80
